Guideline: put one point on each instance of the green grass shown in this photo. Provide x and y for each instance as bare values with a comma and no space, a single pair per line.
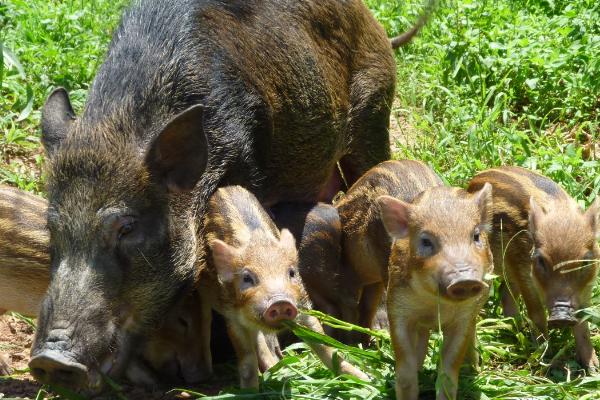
486,83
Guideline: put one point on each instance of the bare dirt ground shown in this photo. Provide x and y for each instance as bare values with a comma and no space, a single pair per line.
401,131
16,337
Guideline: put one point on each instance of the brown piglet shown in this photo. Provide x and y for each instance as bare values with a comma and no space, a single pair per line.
365,242
251,277
545,250
437,279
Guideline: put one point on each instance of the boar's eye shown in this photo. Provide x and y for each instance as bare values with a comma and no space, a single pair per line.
127,225
426,245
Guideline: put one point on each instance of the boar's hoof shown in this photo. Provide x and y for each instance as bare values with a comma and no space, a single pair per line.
464,289
280,311
53,367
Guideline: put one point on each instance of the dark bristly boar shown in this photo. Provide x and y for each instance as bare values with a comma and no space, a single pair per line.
252,279
24,258
545,250
365,243
194,94
172,353
437,278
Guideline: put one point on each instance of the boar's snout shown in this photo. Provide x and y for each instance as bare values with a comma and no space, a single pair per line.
52,366
562,315
280,310
462,284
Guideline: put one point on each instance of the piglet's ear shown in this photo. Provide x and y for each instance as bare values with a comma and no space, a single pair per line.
483,200
287,239
57,118
535,214
178,156
591,215
394,214
224,257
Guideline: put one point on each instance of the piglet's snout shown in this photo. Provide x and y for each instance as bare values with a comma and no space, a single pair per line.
562,315
280,310
462,283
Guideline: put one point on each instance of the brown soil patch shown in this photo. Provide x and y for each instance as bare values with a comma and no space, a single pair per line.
16,337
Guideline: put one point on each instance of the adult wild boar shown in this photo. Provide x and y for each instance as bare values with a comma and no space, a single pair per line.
194,94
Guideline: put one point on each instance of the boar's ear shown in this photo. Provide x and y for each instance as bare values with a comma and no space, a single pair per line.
483,199
591,215
57,118
287,239
224,257
177,157
394,214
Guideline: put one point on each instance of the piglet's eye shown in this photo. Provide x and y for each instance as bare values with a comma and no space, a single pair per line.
540,263
248,279
426,247
477,236
292,272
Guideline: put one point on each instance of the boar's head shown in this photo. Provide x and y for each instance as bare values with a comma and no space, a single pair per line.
122,243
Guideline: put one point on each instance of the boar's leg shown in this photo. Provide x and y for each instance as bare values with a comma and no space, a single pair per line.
244,342
369,117
586,355
205,352
325,353
457,338
407,359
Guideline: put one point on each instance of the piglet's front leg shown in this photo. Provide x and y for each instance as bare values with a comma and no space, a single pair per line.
325,353
458,337
244,342
407,357
267,350
586,355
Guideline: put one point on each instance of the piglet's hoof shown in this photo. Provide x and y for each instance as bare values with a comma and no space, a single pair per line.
4,367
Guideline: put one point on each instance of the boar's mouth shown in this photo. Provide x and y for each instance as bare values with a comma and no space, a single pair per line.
53,365
562,315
